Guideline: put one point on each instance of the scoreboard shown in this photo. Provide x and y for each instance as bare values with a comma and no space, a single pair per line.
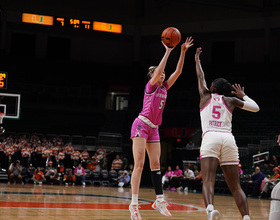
75,23
3,80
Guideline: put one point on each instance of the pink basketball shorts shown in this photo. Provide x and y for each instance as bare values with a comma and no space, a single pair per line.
140,129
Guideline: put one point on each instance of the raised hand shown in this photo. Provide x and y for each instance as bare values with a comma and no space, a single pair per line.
197,54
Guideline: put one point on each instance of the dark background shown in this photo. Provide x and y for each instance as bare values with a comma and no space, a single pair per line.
65,75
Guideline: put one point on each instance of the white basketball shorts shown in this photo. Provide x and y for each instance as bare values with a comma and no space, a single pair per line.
220,145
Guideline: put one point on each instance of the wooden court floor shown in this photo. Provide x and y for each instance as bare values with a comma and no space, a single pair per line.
60,202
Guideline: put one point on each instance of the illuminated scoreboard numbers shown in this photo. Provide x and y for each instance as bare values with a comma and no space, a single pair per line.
59,22
75,22
3,80
86,25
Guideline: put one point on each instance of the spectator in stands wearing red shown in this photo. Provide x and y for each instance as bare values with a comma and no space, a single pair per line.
60,157
68,151
75,157
2,156
117,163
9,152
38,153
84,157
55,148
100,152
38,176
69,177
25,155
80,174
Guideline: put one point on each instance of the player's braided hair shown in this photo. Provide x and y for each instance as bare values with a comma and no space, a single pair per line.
151,71
223,87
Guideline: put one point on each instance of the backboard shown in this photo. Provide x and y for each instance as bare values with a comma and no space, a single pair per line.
10,105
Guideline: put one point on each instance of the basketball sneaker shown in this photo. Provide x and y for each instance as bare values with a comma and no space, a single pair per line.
213,215
162,207
134,212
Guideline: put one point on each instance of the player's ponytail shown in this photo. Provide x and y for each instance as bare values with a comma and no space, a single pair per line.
151,71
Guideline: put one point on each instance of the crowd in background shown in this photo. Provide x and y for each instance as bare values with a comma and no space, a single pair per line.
53,161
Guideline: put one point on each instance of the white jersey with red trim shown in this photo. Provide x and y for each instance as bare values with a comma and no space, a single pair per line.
215,115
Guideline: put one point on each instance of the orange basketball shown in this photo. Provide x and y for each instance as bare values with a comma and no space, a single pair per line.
171,36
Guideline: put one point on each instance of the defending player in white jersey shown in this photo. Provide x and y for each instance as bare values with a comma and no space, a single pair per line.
218,144
275,198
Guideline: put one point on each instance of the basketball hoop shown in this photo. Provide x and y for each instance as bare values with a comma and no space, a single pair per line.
1,117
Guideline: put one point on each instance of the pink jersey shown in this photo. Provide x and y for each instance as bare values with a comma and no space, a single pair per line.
154,102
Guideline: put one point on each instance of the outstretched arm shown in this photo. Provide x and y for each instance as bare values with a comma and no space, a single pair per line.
248,103
174,76
202,86
160,69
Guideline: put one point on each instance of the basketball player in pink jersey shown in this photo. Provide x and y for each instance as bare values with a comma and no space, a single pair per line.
144,130
218,144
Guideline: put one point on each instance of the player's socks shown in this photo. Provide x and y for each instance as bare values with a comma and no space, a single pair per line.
134,199
156,180
160,198
246,217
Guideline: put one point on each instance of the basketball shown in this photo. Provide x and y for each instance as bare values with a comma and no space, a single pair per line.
171,36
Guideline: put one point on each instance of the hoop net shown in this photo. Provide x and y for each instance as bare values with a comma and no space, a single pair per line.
1,117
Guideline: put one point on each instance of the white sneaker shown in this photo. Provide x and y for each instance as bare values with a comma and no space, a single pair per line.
213,215
84,184
66,184
162,207
134,212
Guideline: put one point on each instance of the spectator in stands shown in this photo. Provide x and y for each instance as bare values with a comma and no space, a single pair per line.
188,174
176,178
269,183
25,156
84,157
38,176
253,186
69,178
166,177
61,169
2,156
68,151
9,152
75,157
38,154
274,161
190,145
240,171
195,170
125,162
46,154
100,152
90,165
60,157
80,174
124,179
104,162
15,172
117,164
55,149
266,161
54,177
